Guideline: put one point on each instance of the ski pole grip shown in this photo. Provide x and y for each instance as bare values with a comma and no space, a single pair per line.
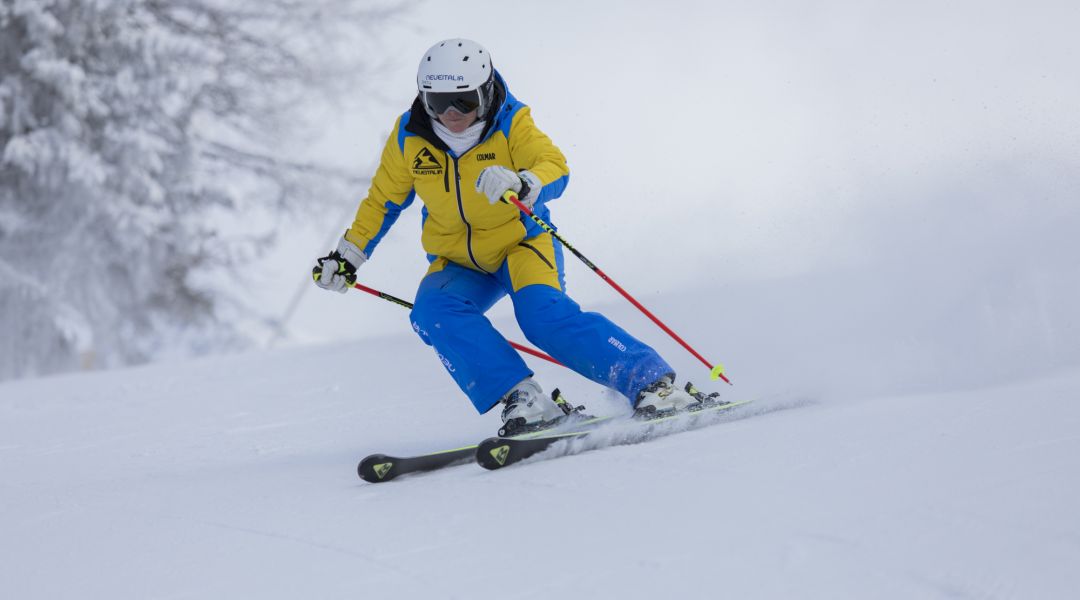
316,274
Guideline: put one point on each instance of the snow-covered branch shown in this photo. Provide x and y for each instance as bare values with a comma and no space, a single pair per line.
127,129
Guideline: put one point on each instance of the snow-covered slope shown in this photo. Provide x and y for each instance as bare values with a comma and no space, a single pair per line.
879,213
234,478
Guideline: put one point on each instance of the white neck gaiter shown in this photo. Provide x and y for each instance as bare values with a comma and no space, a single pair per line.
459,142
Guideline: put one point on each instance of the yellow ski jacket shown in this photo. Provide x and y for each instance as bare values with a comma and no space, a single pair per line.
459,224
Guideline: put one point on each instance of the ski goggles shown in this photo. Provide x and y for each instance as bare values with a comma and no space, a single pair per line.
463,102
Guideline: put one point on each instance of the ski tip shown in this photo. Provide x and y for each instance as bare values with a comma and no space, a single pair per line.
492,453
377,468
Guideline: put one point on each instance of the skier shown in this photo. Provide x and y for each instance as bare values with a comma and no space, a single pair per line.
465,141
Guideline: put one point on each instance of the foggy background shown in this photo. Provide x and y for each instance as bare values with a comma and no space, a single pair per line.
848,193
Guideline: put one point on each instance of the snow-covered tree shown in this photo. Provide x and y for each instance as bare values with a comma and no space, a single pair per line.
129,129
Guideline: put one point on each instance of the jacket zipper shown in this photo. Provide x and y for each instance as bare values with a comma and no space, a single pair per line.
446,174
461,211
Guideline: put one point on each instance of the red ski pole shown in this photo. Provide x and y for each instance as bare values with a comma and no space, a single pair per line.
407,304
716,372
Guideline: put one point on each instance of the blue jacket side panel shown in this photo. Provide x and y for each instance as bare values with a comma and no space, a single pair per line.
393,211
549,192
402,134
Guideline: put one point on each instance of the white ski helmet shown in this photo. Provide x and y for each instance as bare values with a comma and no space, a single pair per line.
456,74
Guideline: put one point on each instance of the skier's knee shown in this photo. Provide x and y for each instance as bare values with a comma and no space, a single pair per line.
541,310
430,310
422,317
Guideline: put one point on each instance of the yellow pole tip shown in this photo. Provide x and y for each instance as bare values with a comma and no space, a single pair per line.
717,371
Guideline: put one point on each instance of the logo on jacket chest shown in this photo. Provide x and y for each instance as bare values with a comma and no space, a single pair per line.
485,156
425,163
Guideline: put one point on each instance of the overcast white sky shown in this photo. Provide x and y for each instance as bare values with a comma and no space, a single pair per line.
723,143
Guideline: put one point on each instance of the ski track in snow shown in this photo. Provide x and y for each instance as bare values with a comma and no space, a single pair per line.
235,479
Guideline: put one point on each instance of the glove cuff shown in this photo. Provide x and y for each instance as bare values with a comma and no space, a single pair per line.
530,186
351,253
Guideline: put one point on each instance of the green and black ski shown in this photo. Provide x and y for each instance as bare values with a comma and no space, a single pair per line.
378,468
496,453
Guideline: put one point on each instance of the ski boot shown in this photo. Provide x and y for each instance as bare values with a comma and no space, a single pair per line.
707,400
661,398
527,409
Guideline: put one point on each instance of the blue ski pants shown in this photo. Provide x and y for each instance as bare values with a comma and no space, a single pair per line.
448,314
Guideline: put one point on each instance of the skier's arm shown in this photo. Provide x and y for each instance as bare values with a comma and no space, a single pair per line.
391,192
532,150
